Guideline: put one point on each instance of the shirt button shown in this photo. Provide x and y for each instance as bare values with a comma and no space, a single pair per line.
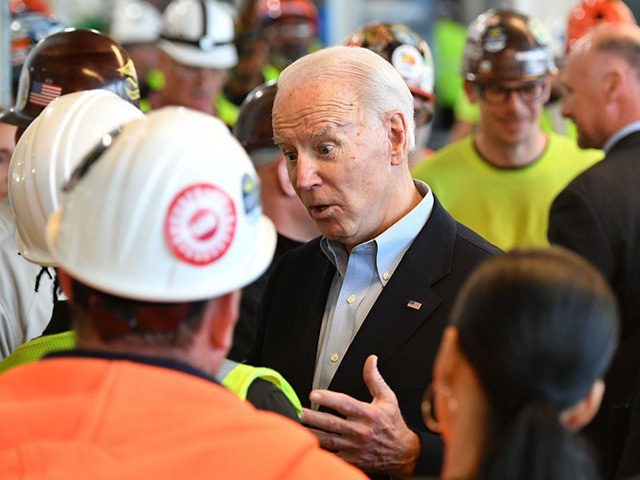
335,357
386,276
351,298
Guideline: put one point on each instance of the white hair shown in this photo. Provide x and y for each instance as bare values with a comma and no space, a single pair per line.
377,84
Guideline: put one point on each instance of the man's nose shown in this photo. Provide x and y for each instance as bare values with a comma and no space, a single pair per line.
304,173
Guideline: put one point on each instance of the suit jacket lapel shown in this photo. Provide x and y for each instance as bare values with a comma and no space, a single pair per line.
308,330
390,321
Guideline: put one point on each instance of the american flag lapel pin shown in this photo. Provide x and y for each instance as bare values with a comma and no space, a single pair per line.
413,304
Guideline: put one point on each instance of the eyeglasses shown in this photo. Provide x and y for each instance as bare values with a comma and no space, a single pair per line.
500,95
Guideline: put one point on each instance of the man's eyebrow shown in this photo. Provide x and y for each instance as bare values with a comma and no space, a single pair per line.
322,132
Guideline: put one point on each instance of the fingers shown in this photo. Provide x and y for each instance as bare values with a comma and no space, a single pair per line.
378,388
322,421
344,404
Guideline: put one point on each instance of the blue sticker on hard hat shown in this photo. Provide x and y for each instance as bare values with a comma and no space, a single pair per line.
541,54
494,40
251,196
200,224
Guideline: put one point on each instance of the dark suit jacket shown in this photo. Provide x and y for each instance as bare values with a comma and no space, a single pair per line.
405,340
598,216
244,333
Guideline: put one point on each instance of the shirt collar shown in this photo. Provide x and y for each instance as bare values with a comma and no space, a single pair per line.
390,245
619,135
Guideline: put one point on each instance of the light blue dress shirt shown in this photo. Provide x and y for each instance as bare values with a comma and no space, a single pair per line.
360,277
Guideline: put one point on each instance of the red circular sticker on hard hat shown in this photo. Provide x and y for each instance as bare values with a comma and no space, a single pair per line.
200,224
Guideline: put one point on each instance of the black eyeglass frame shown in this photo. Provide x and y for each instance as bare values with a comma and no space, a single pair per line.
498,95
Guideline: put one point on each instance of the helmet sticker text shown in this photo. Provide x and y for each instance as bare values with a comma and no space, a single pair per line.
200,224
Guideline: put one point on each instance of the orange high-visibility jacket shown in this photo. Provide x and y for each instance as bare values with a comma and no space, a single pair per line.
78,417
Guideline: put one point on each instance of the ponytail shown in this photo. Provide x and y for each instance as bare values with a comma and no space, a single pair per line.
536,446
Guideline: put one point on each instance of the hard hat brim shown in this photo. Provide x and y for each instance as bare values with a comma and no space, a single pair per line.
221,56
13,117
127,286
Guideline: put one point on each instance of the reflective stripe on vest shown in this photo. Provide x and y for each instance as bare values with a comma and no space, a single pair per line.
241,377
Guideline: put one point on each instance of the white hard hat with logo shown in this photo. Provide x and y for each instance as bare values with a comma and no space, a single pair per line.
169,211
199,33
48,152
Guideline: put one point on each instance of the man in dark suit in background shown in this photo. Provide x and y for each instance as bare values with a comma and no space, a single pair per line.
354,319
598,214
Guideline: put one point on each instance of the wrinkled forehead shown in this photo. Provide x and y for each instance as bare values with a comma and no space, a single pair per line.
316,102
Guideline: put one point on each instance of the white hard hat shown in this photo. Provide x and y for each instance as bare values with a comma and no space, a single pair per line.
135,21
199,33
47,153
169,212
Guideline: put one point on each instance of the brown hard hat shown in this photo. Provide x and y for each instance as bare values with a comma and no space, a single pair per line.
69,61
253,128
506,45
402,47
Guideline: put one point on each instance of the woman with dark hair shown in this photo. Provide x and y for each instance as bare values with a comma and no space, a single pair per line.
520,368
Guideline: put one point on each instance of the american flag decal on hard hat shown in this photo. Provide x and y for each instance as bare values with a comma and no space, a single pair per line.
42,93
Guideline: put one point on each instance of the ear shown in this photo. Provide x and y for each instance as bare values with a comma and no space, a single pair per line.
222,314
582,413
398,138
611,83
283,178
65,283
448,354
471,91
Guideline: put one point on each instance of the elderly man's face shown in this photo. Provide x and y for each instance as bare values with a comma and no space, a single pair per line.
583,102
338,159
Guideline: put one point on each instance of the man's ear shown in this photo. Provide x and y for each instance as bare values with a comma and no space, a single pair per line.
283,178
398,138
222,314
611,84
582,413
471,91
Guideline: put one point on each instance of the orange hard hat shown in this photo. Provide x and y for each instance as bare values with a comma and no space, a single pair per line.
270,10
593,12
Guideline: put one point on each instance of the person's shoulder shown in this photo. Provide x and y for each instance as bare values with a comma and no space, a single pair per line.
445,158
462,146
291,450
614,171
7,221
565,147
471,240
302,251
